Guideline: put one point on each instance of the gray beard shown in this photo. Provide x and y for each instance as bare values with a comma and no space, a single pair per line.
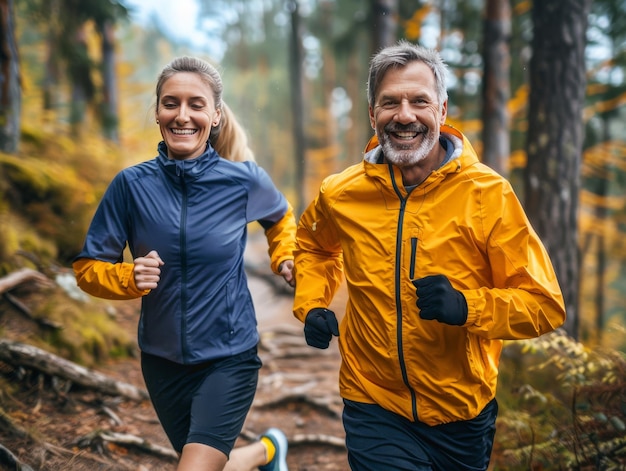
408,157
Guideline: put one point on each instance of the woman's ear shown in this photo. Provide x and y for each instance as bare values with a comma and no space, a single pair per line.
217,118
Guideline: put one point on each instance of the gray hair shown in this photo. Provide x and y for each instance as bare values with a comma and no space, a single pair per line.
400,55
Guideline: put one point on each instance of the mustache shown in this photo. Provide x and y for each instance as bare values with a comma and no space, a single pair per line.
412,127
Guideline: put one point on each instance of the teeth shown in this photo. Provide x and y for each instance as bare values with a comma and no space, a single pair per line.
405,135
184,131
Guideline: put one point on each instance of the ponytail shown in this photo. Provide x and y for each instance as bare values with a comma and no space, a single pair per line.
229,139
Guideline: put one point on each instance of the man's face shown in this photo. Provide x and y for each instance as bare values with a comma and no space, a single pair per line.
406,114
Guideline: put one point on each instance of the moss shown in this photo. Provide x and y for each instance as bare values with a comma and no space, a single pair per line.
89,335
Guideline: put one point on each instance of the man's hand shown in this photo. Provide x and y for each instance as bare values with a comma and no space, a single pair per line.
437,299
147,271
319,327
286,271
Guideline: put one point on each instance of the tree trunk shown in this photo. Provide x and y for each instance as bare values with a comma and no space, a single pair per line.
110,117
496,87
384,23
10,90
297,104
555,137
50,85
79,73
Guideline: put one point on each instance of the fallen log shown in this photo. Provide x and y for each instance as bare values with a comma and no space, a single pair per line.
126,439
18,277
28,356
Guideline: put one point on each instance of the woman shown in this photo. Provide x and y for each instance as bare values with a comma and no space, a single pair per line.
184,217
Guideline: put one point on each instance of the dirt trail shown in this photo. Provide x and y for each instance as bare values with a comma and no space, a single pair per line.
297,392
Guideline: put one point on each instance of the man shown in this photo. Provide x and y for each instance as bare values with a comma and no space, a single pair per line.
441,266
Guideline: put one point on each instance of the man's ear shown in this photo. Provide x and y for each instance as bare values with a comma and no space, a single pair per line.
444,113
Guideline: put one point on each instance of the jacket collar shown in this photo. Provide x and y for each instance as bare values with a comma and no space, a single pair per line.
374,154
462,156
188,169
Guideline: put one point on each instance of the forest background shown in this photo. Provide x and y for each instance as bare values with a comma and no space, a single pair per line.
537,87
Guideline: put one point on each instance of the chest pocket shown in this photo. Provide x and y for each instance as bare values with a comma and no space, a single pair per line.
411,251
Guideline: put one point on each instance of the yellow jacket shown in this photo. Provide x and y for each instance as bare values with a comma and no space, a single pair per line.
464,221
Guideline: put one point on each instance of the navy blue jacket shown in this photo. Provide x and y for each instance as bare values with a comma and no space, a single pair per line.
194,213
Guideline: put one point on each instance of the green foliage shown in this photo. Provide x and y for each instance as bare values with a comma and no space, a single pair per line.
49,191
562,406
90,333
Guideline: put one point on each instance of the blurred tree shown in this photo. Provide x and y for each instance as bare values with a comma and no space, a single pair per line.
555,137
346,36
106,14
384,27
68,30
520,53
297,103
604,165
10,92
461,26
109,111
496,88
73,42
256,37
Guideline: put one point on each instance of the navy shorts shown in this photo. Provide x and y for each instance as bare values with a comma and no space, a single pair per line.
205,403
378,439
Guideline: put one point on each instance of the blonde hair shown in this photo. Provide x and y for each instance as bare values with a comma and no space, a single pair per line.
232,141
228,138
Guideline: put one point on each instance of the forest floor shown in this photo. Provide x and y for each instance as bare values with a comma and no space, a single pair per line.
297,392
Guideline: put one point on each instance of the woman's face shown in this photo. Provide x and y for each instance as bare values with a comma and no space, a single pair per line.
186,113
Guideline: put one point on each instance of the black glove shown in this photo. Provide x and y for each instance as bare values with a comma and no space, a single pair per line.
319,327
437,299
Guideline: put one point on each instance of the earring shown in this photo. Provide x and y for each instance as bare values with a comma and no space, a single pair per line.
157,121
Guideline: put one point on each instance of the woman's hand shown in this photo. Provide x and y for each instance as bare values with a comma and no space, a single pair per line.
147,271
286,271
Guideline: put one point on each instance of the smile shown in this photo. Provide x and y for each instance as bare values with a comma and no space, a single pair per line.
405,135
184,132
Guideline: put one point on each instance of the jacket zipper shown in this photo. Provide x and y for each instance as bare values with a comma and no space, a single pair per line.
183,268
398,281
